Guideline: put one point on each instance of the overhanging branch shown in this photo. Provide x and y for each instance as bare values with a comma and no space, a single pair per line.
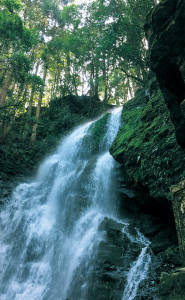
131,76
12,105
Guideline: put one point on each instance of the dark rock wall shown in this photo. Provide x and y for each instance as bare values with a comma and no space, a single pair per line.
150,145
178,202
165,31
116,254
151,162
146,146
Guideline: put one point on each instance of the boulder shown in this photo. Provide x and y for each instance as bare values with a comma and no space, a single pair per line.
172,286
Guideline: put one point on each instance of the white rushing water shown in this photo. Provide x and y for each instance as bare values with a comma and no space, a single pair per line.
49,229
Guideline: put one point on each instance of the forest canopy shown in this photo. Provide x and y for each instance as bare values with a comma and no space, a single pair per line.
53,48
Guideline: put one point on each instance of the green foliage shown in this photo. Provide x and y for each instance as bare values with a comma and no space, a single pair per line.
79,54
10,26
11,5
60,121
21,65
70,15
52,126
35,80
170,251
12,31
52,10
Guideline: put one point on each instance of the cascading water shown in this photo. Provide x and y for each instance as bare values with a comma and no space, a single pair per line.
53,229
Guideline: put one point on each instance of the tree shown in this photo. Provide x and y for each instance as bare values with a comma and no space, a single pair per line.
98,49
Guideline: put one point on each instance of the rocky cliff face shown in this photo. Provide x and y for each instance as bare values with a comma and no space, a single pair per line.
146,146
165,32
151,163
150,145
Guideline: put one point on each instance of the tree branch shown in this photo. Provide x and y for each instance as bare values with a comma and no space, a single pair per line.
131,76
12,105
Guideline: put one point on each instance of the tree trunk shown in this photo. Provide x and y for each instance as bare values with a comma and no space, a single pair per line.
92,81
30,105
2,77
130,91
57,83
8,125
5,89
34,129
105,84
33,90
96,84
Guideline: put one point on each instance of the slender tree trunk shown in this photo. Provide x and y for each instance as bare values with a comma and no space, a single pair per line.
31,100
75,87
91,88
7,83
83,81
105,84
34,130
30,106
2,77
8,125
92,80
57,83
96,83
130,91
53,95
33,90
3,117
67,75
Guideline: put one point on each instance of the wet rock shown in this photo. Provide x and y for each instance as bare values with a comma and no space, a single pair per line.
178,202
151,162
148,151
172,286
115,255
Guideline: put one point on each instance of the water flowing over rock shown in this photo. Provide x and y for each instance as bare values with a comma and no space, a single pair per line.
61,237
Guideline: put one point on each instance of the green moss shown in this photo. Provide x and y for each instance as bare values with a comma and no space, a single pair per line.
98,128
147,147
93,140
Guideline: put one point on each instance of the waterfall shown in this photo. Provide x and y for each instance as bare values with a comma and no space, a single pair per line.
54,229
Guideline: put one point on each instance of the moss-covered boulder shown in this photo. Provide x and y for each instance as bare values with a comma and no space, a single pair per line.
172,286
146,145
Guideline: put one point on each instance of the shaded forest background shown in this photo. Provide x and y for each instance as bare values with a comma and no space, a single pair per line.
59,61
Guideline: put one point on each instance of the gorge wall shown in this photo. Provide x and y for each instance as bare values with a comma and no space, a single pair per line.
150,145
151,163
165,32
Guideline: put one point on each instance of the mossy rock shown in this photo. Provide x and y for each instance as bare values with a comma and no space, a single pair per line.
172,286
147,147
93,141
